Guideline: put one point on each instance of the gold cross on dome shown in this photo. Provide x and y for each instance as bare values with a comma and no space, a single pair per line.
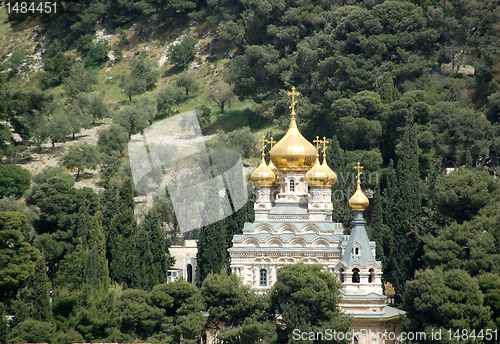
294,102
264,141
324,142
317,142
271,142
359,168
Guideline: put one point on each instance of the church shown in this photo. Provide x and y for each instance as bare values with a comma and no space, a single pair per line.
293,224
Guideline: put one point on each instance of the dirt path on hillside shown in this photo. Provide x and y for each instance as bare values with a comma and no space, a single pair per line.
51,156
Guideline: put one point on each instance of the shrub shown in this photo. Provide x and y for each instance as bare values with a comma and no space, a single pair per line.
182,54
14,180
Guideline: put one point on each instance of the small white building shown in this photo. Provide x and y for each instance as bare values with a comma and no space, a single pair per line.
185,261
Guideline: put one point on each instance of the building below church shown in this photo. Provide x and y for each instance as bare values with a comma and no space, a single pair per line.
185,262
293,224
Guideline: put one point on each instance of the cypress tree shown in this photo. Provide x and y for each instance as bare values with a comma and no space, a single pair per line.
118,204
212,252
142,275
388,199
405,199
34,298
4,325
378,230
96,272
71,271
384,85
160,245
340,193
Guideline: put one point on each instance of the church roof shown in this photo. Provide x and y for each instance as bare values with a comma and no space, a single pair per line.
358,247
296,226
286,237
289,209
370,296
390,312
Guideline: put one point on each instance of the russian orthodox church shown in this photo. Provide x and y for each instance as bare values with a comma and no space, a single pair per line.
293,223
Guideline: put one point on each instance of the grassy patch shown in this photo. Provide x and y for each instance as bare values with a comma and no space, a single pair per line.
237,116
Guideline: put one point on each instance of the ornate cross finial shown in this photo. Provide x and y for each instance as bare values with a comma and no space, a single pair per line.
294,102
324,142
271,142
317,142
264,141
359,168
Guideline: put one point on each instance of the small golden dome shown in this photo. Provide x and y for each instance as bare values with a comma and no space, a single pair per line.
275,170
316,176
263,175
272,167
331,176
359,201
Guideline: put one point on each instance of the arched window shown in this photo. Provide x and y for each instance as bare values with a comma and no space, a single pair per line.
263,277
371,276
355,275
356,250
189,271
342,275
292,185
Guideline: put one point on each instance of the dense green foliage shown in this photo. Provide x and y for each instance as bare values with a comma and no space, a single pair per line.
308,298
142,77
182,54
17,256
216,238
81,157
445,299
14,180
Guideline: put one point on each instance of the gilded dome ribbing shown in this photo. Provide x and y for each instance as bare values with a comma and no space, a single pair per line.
263,175
293,151
331,176
316,176
359,201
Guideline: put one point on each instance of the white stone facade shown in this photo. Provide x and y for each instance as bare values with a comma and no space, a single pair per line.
293,224
185,261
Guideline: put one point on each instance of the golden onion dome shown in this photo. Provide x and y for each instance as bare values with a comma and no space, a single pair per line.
293,151
331,176
263,175
359,201
275,170
272,167
316,176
